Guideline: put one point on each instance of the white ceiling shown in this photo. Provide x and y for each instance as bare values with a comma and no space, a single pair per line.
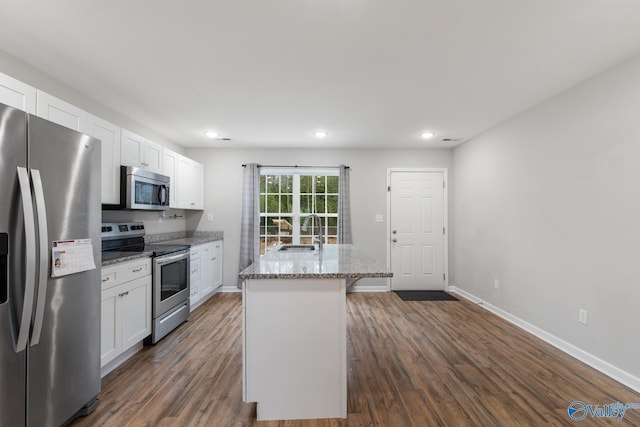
373,73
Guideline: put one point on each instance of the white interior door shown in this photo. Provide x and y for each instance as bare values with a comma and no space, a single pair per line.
417,230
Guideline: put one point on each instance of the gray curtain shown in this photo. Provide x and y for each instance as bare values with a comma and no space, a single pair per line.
344,208
250,226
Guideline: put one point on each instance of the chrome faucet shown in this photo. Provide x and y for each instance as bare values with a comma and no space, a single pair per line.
320,235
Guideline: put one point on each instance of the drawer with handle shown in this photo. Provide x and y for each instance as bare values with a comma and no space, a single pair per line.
124,272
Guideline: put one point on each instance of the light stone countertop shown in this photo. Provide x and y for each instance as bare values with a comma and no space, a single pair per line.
116,257
191,241
335,261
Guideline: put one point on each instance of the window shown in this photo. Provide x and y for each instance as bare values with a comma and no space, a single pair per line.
288,196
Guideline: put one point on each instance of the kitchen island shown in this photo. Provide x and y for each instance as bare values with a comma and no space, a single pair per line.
294,330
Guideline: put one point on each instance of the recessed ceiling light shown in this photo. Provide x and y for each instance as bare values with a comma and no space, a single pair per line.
212,134
427,135
320,134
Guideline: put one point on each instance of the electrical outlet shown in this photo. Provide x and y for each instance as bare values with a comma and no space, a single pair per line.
210,217
379,218
496,284
582,316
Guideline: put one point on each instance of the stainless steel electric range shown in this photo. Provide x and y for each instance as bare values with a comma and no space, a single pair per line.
170,305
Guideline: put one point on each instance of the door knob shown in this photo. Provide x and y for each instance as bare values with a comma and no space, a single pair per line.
394,231
394,240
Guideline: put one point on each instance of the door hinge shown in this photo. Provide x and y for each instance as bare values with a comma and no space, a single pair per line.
389,188
443,230
444,276
442,184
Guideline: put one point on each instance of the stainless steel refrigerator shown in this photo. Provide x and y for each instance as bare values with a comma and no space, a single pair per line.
49,326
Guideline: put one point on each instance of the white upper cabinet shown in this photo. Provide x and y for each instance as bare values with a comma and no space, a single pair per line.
170,169
131,149
153,156
138,151
58,111
109,134
190,183
16,94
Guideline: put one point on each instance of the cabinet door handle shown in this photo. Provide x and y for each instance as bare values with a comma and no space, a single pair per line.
136,270
106,279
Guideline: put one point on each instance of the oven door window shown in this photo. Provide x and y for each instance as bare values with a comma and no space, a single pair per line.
150,194
174,279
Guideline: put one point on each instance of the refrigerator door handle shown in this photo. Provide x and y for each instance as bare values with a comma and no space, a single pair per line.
43,269
30,259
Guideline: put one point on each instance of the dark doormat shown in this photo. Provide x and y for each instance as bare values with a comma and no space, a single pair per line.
425,296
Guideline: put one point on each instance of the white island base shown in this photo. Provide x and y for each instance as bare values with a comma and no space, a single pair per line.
295,347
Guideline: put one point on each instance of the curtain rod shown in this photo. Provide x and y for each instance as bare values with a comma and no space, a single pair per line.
296,166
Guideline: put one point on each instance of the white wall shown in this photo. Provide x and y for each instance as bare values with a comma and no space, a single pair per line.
22,71
549,204
368,189
19,70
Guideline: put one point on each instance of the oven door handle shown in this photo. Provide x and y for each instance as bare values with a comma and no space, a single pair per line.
165,259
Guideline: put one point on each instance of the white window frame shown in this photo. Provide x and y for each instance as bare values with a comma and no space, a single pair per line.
296,214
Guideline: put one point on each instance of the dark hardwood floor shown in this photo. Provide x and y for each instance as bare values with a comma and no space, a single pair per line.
438,363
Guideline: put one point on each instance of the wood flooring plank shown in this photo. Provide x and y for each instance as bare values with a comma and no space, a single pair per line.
421,363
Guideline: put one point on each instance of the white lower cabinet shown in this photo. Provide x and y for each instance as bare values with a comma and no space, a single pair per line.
206,262
126,307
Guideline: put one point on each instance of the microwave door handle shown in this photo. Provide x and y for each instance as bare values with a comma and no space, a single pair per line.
44,256
162,194
30,259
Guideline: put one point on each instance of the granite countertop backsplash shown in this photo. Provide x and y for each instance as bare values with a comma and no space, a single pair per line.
188,238
116,257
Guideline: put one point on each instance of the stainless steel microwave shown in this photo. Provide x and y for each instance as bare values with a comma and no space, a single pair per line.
144,190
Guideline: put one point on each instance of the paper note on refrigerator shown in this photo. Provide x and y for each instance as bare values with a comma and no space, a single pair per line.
71,256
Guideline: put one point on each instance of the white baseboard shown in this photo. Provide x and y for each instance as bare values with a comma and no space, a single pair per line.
368,288
229,289
595,362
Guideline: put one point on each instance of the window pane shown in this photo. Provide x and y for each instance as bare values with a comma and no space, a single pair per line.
310,226
332,204
320,184
286,184
286,203
273,184
332,226
332,184
320,204
263,205
305,184
305,204
272,228
263,185
273,204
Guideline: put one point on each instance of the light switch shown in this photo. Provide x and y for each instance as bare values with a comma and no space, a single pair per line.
379,218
